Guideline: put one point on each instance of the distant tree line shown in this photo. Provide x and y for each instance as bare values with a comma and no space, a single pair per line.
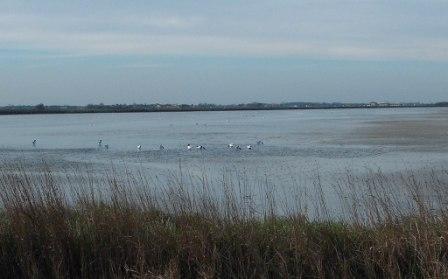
117,108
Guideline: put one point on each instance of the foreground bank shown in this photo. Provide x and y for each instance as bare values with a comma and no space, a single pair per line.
47,231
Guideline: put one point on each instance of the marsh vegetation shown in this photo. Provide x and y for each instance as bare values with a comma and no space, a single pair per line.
125,224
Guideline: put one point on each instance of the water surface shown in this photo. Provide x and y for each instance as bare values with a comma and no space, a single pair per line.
298,144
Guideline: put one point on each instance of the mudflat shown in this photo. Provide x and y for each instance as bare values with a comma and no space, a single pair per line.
428,131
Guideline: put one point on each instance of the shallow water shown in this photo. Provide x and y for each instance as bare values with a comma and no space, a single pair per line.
298,144
300,134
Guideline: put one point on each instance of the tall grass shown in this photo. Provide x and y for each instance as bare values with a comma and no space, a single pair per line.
124,224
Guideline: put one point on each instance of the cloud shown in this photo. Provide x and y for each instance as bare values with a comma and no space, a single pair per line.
114,43
190,35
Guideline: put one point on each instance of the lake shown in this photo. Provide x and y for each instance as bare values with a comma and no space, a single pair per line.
297,144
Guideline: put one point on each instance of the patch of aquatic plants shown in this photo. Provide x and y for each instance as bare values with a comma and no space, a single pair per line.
54,226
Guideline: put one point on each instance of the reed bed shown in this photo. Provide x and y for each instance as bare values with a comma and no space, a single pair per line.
122,224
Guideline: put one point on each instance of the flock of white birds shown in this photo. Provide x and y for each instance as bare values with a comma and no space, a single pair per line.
161,147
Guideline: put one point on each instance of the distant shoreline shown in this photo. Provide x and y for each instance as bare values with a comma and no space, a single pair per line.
139,108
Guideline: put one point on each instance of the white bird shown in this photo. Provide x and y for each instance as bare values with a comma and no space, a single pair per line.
34,142
249,146
200,147
189,147
139,147
231,145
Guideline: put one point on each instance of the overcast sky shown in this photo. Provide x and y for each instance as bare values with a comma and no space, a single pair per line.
80,52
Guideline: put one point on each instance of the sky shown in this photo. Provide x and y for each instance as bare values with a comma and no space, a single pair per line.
81,52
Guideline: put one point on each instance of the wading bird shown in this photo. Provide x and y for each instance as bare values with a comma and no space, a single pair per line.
139,147
34,142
